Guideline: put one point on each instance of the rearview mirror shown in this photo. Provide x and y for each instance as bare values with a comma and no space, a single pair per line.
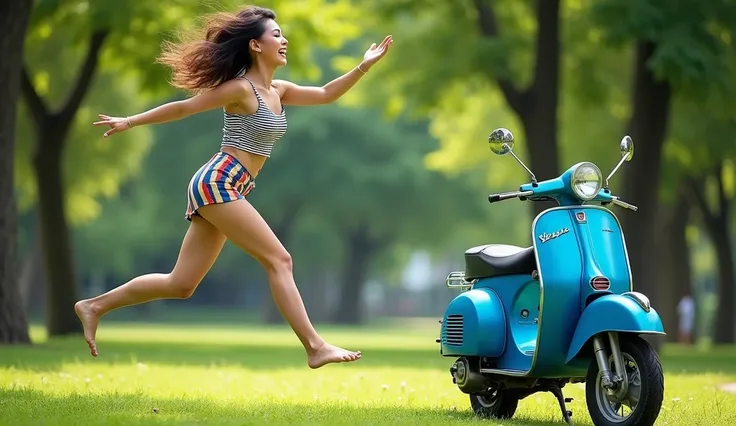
627,148
501,141
627,153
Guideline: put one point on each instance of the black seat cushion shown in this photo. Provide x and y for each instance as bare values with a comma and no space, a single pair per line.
491,260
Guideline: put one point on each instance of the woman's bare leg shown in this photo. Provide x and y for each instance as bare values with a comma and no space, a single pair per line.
199,250
243,225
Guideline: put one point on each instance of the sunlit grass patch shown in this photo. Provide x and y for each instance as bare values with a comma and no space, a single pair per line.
248,375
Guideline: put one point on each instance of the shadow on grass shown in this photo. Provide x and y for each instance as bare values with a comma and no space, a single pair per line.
689,360
50,355
22,406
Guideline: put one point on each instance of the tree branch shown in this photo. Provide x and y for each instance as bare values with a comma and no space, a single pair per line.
488,25
697,192
38,108
723,202
85,76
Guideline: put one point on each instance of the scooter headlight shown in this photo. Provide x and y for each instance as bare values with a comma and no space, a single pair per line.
586,181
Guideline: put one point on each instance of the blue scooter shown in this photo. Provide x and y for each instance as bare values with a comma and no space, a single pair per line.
533,319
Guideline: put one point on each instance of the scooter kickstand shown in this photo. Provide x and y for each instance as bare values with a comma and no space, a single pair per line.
566,414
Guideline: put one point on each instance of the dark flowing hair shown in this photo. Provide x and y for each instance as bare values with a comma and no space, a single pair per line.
199,64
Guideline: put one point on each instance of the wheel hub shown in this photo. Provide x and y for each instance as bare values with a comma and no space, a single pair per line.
611,401
460,372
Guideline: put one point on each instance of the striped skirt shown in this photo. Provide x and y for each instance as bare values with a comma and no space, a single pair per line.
223,178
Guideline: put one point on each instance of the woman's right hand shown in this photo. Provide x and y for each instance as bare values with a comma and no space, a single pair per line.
117,124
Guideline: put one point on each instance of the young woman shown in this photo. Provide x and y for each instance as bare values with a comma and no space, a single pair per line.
232,68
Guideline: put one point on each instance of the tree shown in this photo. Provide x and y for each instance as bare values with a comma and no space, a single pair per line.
14,18
117,38
716,221
496,49
678,52
704,151
695,192
49,177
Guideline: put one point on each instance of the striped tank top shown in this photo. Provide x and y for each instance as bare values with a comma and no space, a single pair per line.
255,133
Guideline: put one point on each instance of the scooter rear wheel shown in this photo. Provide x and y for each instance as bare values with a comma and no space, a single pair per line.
495,404
644,397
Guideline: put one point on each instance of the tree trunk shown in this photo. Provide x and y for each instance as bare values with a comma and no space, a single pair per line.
674,261
52,130
271,313
717,224
725,323
648,129
61,288
536,105
32,269
14,17
359,251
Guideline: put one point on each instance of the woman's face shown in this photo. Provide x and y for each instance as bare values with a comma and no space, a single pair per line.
271,46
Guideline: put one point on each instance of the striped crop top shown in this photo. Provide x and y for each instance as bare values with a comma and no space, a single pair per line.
255,133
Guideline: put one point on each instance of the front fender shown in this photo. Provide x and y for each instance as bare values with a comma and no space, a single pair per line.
629,312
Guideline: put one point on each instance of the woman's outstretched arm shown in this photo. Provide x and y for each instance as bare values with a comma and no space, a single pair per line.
294,94
227,93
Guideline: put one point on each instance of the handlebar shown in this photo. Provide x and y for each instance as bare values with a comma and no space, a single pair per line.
623,204
508,195
493,198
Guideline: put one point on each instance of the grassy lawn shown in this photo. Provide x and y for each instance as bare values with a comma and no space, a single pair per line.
248,375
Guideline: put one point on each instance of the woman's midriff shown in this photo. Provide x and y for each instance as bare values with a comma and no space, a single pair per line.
252,162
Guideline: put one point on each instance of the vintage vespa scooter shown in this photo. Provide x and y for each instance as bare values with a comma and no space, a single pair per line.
561,311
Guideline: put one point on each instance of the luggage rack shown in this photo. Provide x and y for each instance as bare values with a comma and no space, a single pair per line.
456,279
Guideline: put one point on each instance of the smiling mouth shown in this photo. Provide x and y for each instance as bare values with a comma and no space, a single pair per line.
282,53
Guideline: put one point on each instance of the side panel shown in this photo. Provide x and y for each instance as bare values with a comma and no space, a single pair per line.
604,251
560,266
614,313
474,325
520,295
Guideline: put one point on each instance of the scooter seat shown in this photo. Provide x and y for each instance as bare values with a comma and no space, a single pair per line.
492,260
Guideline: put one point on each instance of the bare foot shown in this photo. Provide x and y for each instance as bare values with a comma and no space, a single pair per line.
89,320
329,354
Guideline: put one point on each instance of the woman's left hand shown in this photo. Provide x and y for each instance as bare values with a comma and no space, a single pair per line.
374,53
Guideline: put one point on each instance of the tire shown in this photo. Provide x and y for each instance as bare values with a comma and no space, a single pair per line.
495,405
646,411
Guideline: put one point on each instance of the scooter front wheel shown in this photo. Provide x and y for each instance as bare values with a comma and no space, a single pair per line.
643,400
494,404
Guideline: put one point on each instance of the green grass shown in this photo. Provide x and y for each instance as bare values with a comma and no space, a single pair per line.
249,375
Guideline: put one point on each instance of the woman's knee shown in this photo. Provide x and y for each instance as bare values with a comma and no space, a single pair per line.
279,262
182,287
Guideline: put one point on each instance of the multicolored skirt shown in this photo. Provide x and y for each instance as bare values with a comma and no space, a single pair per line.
223,178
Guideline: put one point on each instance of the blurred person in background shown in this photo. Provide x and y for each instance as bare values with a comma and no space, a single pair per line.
686,315
231,68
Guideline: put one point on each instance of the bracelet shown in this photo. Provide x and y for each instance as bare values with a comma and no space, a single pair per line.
359,69
127,119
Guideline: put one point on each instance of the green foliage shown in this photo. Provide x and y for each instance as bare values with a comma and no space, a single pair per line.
354,169
137,29
447,73
701,136
695,53
92,167
438,44
692,37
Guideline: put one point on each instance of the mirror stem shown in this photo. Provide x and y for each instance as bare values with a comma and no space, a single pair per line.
623,158
534,178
